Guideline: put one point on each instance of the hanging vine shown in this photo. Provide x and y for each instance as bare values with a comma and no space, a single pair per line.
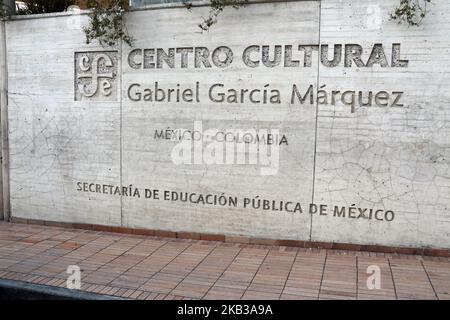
217,6
410,11
107,22
3,13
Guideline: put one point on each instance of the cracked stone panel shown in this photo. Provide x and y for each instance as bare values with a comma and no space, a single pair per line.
54,141
147,162
386,158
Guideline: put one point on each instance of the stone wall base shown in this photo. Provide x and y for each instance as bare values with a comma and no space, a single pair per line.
437,252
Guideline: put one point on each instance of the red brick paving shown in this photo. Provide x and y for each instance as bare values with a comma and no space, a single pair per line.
157,268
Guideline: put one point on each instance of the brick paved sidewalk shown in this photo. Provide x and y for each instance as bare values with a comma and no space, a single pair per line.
141,267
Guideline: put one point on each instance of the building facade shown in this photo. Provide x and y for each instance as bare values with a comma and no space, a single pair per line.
309,121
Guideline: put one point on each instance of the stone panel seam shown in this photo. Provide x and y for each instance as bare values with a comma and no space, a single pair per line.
120,127
315,128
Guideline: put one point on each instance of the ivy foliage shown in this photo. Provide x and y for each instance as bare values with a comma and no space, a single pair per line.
107,26
217,6
410,11
3,14
106,23
44,6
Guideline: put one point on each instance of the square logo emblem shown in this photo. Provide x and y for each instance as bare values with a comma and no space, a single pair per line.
96,75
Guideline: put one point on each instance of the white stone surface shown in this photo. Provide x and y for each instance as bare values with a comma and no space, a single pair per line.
54,140
379,158
147,162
